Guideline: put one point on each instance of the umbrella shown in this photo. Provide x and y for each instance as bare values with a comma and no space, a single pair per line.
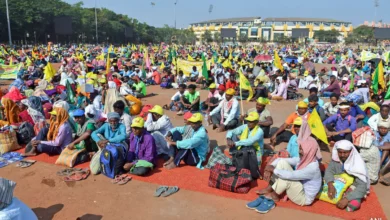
376,61
263,58
309,66
289,59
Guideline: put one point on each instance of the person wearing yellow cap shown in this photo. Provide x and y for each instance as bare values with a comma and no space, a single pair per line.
265,121
284,135
226,115
158,125
186,145
213,98
249,136
142,155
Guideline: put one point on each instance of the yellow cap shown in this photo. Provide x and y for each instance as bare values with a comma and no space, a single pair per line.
253,116
138,122
230,91
54,112
263,101
157,109
298,121
197,117
302,104
212,86
306,73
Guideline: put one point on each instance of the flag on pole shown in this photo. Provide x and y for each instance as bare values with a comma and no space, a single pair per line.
316,126
49,72
108,66
378,78
204,68
227,64
189,57
70,93
277,62
162,66
244,84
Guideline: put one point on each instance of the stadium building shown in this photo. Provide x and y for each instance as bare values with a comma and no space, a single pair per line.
269,29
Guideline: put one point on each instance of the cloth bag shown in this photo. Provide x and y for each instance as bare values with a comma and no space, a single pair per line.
363,137
68,157
8,141
229,178
246,158
94,166
218,157
341,183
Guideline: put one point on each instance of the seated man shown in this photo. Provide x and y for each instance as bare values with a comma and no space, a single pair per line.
346,159
176,104
383,115
225,116
54,139
125,119
333,106
247,135
140,87
280,93
158,125
141,157
283,135
265,120
190,99
355,110
213,99
301,184
84,130
340,126
314,91
313,104
193,150
111,132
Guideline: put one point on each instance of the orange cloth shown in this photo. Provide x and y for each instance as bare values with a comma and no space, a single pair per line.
290,119
11,110
62,117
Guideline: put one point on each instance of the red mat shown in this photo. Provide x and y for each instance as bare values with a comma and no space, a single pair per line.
191,178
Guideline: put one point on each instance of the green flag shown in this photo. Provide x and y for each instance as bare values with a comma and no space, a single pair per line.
352,84
204,68
70,93
387,96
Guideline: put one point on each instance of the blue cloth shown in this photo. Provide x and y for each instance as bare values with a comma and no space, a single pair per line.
17,210
11,157
250,141
293,147
116,136
342,123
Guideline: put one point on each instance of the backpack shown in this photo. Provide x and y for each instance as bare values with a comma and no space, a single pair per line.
112,159
246,158
25,133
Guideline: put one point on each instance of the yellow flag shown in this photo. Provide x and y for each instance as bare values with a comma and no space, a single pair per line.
49,72
227,64
11,61
212,61
162,65
190,58
316,127
244,84
230,56
277,62
108,66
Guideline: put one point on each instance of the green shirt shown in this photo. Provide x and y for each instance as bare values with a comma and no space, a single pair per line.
141,86
191,97
90,144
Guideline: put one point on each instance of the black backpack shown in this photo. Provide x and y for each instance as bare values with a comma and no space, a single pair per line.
246,158
25,133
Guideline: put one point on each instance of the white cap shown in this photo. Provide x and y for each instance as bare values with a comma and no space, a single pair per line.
345,79
90,110
154,68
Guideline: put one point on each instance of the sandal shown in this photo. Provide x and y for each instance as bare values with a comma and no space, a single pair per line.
25,163
170,191
68,171
77,176
160,190
117,179
126,179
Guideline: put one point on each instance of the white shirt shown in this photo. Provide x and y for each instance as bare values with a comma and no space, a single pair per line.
373,121
176,94
163,124
227,115
126,120
362,92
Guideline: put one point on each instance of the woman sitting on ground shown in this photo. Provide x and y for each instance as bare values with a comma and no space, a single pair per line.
11,112
54,139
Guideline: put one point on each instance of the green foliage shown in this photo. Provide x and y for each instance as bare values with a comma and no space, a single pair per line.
217,37
207,37
361,34
243,38
282,39
29,16
327,36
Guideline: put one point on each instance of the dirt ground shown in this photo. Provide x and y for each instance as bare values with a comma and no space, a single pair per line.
96,198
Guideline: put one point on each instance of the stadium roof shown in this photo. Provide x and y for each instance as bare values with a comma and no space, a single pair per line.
246,19
304,20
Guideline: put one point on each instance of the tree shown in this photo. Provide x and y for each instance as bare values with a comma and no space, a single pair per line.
243,38
361,34
217,37
207,37
282,39
327,36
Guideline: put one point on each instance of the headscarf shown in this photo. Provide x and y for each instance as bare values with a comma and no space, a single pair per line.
354,165
6,192
36,115
11,110
61,104
42,84
36,103
62,117
384,123
113,115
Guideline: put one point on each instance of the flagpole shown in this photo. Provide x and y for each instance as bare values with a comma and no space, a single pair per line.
97,39
9,24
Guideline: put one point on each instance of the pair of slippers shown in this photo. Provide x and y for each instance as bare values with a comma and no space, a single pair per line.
121,179
68,171
165,191
25,163
73,174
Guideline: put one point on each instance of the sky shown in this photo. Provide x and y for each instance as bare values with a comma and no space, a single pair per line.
191,11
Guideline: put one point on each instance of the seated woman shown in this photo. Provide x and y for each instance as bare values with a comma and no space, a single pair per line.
54,139
301,185
346,159
193,150
85,127
142,154
11,112
111,132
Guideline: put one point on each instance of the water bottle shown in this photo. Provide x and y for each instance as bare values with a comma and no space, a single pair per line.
206,120
259,157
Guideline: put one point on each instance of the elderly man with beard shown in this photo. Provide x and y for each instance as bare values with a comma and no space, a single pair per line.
111,132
